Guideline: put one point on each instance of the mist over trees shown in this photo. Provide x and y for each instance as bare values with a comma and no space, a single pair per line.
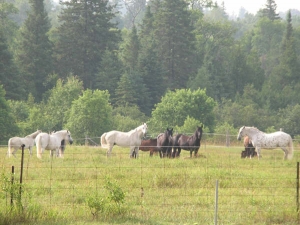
64,62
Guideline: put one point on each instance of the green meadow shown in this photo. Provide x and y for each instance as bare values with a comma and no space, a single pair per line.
86,187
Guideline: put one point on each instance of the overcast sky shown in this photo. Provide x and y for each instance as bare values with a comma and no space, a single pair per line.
252,6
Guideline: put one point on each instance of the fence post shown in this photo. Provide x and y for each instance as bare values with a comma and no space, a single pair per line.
12,184
21,174
297,195
227,139
216,202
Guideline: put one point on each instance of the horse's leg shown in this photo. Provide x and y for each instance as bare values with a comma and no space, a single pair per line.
151,152
136,152
258,152
14,151
178,152
29,149
191,153
108,153
285,153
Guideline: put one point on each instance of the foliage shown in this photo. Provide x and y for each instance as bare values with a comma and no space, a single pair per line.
175,41
7,122
189,126
127,117
21,208
90,115
9,75
86,31
176,106
34,56
103,205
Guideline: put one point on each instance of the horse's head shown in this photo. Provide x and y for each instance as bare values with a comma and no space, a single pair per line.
241,133
198,132
69,138
169,134
144,129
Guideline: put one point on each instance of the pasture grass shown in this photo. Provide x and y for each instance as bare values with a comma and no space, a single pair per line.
157,191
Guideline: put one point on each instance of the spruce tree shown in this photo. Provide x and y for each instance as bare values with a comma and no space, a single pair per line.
7,124
289,57
9,74
270,10
175,41
110,71
35,51
131,49
85,33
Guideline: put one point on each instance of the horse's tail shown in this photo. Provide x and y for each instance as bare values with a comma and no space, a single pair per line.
38,142
290,149
103,141
9,147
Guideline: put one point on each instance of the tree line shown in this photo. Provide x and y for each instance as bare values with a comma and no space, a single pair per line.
98,65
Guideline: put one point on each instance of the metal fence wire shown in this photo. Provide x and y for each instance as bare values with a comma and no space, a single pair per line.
216,187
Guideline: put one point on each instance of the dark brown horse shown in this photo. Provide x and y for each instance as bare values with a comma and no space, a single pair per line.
189,143
164,143
249,151
149,145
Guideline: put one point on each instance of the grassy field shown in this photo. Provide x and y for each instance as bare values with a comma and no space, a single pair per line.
86,187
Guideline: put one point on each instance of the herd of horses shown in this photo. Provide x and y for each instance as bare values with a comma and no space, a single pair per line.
54,142
166,144
170,146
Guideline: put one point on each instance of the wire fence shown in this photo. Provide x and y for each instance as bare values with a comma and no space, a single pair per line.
262,191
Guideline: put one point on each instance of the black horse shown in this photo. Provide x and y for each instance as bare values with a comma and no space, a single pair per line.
164,143
189,143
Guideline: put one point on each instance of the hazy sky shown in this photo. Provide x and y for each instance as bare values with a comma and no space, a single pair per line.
252,6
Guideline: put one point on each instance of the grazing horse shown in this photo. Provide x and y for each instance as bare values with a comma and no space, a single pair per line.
164,143
16,142
263,140
130,139
189,143
149,145
249,149
53,141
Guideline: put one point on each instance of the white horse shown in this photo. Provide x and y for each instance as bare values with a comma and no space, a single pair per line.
52,142
130,139
16,143
263,140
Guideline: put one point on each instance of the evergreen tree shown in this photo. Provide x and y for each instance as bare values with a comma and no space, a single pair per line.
270,10
153,75
7,123
110,71
289,56
175,41
85,33
131,91
9,74
131,49
35,53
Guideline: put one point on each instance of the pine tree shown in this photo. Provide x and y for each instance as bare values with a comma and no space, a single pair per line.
35,55
175,41
289,57
8,126
153,76
9,74
131,49
85,33
109,74
270,10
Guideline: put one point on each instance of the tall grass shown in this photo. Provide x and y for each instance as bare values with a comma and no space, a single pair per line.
87,187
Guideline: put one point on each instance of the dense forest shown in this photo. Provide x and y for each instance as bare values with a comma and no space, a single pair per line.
96,65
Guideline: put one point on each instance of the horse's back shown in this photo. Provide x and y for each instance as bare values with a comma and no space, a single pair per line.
148,145
273,140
